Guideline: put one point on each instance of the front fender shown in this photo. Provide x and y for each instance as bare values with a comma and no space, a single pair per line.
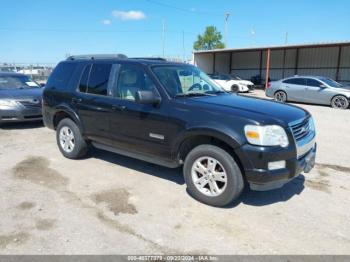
228,136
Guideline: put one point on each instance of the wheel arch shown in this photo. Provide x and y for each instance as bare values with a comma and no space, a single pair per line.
193,138
65,112
330,102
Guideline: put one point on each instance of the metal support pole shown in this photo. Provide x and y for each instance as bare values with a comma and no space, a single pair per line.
337,76
267,68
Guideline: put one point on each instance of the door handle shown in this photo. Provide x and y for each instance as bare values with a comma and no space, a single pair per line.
119,107
76,100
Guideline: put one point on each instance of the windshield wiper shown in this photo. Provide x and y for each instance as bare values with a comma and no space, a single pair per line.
216,92
192,94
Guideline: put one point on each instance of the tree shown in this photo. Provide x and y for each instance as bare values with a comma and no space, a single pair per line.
211,39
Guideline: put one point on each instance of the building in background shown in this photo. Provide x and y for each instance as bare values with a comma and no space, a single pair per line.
330,60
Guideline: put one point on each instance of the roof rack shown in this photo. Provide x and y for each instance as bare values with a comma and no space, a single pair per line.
94,57
150,58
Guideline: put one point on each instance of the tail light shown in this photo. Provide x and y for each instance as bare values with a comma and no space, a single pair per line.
268,85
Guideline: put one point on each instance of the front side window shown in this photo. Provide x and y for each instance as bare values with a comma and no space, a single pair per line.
314,83
132,79
182,80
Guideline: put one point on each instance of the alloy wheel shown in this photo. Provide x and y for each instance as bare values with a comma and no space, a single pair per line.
209,176
67,140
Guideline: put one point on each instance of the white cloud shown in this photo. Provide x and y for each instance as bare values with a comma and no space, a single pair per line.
128,15
106,22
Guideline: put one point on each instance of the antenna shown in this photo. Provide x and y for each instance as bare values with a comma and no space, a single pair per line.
227,15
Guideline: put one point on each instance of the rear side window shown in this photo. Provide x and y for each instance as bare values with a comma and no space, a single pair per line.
296,81
98,80
84,79
61,75
95,78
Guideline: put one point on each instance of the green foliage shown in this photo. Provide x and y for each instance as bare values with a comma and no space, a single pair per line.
211,39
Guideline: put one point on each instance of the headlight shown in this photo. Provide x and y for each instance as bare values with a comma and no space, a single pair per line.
312,125
7,103
266,135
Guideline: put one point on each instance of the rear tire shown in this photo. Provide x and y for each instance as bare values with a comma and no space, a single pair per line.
212,176
281,96
69,140
340,102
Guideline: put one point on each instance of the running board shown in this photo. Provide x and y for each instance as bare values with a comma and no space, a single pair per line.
153,160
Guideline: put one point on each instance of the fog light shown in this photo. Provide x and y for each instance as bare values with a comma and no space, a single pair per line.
276,165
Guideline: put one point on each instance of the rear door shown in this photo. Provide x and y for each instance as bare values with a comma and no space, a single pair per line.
139,128
93,100
295,89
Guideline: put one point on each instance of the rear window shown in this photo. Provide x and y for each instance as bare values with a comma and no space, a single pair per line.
61,75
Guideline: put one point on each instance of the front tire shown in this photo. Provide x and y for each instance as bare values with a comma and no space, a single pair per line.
69,140
212,176
340,102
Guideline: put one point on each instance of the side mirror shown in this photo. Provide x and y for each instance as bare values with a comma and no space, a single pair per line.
147,97
42,85
323,86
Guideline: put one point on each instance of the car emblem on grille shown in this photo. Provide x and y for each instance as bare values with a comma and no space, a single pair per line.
303,129
35,101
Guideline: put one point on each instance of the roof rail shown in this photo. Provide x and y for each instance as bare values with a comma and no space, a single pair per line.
98,56
150,58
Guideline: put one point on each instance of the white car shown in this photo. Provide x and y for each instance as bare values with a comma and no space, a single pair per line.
232,83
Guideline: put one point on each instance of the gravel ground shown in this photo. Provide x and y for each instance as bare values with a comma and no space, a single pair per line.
110,204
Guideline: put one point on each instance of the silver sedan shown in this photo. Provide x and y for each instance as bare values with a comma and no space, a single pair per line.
310,89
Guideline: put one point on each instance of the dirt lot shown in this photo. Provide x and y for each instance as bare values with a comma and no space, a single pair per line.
109,204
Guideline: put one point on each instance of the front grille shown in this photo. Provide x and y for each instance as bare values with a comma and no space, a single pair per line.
30,103
301,130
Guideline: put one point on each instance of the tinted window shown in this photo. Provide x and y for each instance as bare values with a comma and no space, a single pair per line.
313,82
61,75
84,79
132,79
295,81
98,79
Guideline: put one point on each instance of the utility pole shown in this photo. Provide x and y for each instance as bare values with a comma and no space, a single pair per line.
226,29
163,37
286,39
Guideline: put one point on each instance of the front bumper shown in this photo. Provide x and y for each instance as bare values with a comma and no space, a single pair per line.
20,114
255,165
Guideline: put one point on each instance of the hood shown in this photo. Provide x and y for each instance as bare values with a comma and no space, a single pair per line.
20,93
255,109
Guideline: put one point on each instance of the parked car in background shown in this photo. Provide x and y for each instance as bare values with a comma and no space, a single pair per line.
232,83
310,89
20,98
173,114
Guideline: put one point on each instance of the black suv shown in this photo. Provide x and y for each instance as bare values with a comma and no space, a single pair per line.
173,114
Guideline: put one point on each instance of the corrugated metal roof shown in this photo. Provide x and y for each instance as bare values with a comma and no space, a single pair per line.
328,44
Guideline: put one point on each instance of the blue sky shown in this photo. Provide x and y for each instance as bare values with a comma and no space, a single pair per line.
44,31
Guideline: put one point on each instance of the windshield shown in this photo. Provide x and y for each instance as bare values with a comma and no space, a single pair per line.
15,82
183,80
331,82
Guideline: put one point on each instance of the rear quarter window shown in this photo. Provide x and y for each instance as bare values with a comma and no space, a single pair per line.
61,76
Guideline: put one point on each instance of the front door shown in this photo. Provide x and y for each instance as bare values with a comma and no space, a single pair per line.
138,128
314,91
